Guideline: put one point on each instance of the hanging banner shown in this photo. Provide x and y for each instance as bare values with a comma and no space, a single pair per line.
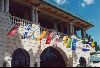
85,47
33,32
69,43
74,44
93,44
56,40
65,38
14,30
27,30
42,36
49,38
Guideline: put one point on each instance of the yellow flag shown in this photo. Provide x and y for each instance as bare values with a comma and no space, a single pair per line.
65,38
42,36
93,45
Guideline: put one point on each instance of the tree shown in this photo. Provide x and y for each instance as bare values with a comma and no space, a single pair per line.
96,46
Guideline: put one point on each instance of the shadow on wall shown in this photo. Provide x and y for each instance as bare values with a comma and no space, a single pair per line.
75,57
70,61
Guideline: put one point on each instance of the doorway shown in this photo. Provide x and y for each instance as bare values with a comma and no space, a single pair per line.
20,58
51,57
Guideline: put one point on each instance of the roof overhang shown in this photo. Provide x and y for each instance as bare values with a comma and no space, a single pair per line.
62,15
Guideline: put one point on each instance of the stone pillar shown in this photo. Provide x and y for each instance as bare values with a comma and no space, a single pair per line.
6,6
55,26
68,29
62,27
83,32
34,16
71,28
2,5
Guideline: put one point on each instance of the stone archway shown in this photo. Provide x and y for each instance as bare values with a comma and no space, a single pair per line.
52,57
20,58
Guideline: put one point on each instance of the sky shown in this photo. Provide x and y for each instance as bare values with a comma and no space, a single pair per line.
87,9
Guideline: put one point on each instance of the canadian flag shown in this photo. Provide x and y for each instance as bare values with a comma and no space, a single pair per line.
13,31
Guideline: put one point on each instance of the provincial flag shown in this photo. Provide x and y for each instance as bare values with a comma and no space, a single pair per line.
69,42
74,44
42,35
14,30
65,38
93,44
49,38
85,47
56,40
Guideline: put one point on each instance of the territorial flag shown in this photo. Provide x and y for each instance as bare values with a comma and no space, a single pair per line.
14,30
69,42
93,44
65,38
56,40
85,47
42,35
49,38
74,44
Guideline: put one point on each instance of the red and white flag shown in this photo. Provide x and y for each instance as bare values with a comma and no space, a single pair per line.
14,30
49,38
56,40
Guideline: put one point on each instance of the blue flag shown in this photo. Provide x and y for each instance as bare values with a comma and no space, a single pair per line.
85,48
74,44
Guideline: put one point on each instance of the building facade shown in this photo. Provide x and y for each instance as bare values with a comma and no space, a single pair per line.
17,50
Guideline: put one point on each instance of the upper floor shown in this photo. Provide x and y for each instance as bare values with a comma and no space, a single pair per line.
45,14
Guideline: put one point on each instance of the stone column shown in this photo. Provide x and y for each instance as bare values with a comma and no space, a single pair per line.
62,27
68,29
55,26
2,5
6,6
83,33
34,16
71,28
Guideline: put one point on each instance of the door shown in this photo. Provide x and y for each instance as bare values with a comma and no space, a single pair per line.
52,58
20,58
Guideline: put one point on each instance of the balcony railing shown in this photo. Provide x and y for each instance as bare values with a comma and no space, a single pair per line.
26,22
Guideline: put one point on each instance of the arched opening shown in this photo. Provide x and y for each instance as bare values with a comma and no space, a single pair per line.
82,62
20,58
51,57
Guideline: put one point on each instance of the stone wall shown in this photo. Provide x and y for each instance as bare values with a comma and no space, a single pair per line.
9,44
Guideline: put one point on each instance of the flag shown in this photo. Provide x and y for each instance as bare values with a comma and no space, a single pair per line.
93,44
65,38
14,30
49,38
56,40
27,30
42,36
25,35
74,44
28,27
85,47
69,42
